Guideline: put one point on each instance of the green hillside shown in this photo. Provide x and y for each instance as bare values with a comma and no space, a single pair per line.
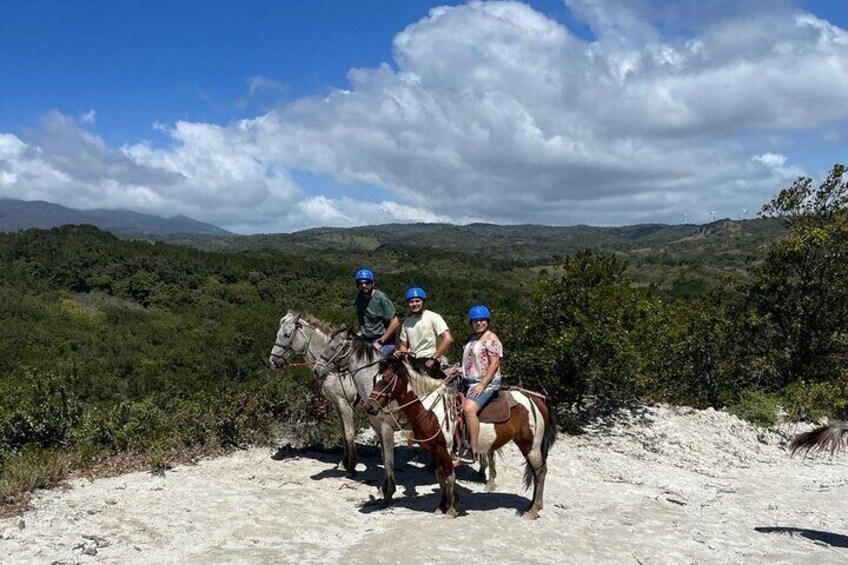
682,260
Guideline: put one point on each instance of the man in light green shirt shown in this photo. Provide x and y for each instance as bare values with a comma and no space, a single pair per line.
424,333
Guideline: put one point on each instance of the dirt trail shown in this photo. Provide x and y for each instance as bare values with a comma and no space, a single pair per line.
670,485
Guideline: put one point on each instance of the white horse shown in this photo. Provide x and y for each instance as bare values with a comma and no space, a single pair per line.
299,334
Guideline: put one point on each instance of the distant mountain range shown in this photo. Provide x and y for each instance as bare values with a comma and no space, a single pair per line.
20,215
527,244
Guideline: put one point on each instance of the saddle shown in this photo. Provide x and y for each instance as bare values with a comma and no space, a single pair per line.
496,411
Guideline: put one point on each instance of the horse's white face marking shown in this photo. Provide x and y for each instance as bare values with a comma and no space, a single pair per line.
290,340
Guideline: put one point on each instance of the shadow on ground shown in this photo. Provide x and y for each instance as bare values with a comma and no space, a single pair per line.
410,473
828,538
468,501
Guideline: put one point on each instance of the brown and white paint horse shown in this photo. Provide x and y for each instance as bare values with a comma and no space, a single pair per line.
531,426
831,437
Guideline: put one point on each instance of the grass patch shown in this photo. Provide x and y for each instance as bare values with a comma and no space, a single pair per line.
31,469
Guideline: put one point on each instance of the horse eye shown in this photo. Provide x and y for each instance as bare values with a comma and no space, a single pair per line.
287,334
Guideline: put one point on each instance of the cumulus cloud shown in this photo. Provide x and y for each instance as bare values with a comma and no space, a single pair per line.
492,111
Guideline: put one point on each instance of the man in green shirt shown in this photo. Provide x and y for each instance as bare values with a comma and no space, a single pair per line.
375,313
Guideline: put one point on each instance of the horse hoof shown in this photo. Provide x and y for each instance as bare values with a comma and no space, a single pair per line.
531,515
451,513
490,487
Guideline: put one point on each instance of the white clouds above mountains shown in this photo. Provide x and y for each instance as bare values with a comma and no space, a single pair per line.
493,112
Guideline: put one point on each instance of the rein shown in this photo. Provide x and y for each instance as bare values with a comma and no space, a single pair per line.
391,413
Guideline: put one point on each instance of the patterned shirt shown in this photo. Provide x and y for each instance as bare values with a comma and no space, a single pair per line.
476,357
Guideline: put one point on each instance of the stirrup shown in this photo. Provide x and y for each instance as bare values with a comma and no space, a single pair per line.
465,455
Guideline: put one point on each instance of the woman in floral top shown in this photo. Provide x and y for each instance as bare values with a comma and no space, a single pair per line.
481,359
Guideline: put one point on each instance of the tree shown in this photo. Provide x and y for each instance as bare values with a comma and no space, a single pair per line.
798,298
583,334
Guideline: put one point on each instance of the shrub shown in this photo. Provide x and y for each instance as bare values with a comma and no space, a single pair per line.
757,407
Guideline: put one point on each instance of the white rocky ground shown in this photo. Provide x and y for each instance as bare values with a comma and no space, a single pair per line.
669,485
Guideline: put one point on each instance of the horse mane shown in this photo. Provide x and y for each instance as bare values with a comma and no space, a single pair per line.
361,348
316,323
421,384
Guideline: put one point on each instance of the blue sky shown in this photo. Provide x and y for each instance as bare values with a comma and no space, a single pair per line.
224,111
162,61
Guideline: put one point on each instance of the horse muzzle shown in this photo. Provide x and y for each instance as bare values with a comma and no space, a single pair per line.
371,408
320,371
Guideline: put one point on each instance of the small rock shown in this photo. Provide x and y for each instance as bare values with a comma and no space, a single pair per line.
20,523
89,550
110,501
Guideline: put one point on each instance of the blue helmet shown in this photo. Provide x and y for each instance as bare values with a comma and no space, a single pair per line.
415,292
364,275
478,312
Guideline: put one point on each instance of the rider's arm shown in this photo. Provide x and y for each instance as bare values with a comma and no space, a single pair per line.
445,341
391,328
494,363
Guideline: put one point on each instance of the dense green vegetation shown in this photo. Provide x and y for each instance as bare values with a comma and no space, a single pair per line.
680,260
109,346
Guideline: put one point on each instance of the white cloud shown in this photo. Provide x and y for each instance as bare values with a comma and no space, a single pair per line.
494,112
89,117
771,159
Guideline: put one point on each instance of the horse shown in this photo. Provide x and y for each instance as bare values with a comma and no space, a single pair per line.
303,334
349,354
531,425
830,437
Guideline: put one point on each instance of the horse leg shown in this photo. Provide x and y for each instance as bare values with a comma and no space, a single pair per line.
387,447
345,412
525,439
452,495
449,497
350,458
540,469
443,492
493,472
483,458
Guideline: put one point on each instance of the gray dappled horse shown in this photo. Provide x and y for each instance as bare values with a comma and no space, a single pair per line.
302,334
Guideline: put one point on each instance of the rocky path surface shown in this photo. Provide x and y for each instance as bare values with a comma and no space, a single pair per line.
666,485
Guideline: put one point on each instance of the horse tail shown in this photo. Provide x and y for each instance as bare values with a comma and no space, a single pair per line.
548,437
822,438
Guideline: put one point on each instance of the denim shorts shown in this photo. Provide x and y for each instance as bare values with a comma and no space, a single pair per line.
482,398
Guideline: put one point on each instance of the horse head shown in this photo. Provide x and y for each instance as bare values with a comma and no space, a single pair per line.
291,340
390,383
336,353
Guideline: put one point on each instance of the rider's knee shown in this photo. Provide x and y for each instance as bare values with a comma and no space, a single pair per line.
470,408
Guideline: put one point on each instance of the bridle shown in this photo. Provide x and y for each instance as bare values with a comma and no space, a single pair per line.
288,349
390,387
342,352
